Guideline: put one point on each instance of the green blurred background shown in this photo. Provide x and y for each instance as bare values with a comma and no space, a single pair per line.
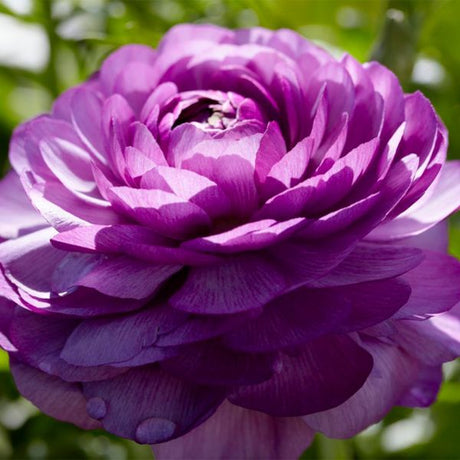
47,46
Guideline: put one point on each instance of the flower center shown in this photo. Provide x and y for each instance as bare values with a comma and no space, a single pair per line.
210,113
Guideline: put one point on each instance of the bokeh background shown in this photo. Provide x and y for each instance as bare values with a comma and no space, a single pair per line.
47,46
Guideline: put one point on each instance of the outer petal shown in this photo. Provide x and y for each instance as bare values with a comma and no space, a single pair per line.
441,200
338,364
150,406
435,285
18,215
238,284
433,340
393,373
92,342
237,433
52,395
291,319
117,61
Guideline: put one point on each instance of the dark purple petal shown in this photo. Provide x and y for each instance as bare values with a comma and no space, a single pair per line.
238,284
424,391
292,319
210,363
339,365
375,398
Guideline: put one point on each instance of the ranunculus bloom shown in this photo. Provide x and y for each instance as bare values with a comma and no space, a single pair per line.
230,242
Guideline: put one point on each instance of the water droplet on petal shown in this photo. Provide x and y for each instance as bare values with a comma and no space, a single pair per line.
153,430
96,408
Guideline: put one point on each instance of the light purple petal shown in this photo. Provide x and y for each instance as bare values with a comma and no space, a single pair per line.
164,212
52,395
251,236
234,432
433,340
117,61
369,262
18,215
434,284
150,406
92,344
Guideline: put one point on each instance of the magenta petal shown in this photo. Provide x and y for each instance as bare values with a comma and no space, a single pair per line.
52,395
86,116
117,61
271,150
189,186
369,262
302,262
164,212
238,284
70,165
321,192
117,117
150,406
441,201
289,170
134,240
185,33
251,236
135,81
234,432
340,368
387,85
63,209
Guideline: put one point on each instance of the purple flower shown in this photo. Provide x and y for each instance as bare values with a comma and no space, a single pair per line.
235,240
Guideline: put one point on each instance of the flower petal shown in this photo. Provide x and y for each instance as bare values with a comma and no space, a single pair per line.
150,406
238,284
339,365
234,432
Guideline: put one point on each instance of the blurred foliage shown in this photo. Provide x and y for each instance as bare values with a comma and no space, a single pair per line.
47,46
